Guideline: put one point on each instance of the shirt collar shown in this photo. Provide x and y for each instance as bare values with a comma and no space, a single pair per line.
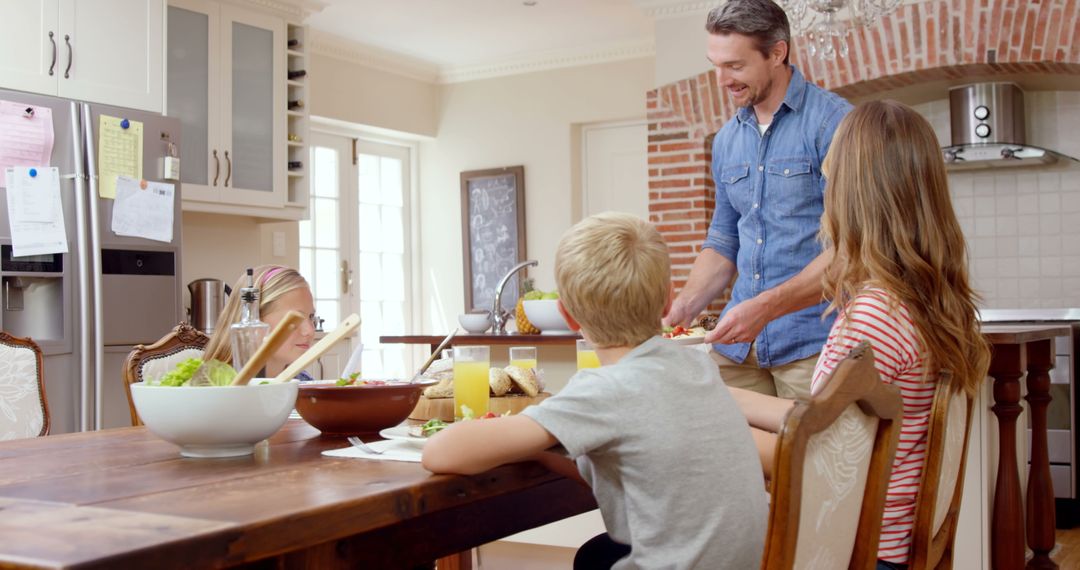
793,99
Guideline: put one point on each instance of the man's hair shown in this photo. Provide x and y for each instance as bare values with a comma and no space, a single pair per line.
613,271
762,20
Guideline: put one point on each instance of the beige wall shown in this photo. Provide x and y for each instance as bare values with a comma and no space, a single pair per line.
680,48
527,119
350,92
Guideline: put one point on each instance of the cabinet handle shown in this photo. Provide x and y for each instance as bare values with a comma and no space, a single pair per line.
217,167
228,168
52,65
67,40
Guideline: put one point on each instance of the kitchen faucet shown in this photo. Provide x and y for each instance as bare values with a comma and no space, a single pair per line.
498,315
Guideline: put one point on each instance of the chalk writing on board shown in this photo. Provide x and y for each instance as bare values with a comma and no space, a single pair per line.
493,238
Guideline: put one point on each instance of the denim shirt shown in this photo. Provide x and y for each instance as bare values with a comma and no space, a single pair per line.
769,200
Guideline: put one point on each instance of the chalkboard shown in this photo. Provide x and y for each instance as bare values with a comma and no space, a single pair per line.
493,232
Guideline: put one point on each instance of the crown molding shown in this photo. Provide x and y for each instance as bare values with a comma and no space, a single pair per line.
344,49
665,9
548,60
295,10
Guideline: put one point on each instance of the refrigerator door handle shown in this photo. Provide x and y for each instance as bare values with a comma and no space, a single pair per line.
52,65
95,263
86,377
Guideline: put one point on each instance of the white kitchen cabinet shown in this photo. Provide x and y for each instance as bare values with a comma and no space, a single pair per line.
105,51
227,85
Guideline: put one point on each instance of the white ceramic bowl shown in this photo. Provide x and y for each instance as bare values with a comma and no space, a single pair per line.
215,421
475,322
544,315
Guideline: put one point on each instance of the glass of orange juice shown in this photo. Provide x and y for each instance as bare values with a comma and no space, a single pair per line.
523,356
586,355
471,364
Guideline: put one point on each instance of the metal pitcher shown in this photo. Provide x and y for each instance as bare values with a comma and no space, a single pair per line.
207,301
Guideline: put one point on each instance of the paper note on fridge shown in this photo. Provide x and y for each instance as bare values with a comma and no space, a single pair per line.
120,152
26,136
35,213
146,213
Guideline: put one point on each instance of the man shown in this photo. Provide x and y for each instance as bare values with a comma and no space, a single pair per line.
766,162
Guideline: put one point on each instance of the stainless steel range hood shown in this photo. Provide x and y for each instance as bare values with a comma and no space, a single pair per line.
988,129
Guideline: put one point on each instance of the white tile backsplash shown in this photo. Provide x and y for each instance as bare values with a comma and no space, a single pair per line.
1023,225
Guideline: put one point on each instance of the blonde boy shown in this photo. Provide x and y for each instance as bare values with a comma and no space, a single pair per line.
654,431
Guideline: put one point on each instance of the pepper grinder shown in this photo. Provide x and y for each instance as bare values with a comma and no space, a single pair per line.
247,334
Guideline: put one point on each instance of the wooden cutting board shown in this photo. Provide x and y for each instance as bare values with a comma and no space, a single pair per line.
443,408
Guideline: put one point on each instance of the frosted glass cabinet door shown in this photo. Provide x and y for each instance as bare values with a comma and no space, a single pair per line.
192,78
26,51
253,92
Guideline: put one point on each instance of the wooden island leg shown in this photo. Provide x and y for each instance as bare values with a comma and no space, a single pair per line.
1007,524
1040,488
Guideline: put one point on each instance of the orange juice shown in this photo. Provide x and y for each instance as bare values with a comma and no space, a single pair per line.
524,363
471,387
585,359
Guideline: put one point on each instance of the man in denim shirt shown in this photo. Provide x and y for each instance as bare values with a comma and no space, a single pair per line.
766,162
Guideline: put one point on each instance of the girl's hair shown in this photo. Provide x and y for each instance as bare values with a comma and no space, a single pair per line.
273,281
889,216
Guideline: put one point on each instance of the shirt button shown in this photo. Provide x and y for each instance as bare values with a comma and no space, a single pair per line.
760,240
760,168
757,276
787,171
755,204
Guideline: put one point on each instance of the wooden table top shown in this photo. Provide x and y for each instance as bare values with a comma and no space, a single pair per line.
464,339
1018,334
124,498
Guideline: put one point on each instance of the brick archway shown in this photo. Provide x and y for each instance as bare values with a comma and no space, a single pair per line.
929,41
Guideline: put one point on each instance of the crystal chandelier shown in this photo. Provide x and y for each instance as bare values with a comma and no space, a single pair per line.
826,22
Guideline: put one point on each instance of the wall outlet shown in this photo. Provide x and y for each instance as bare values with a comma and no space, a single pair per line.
279,244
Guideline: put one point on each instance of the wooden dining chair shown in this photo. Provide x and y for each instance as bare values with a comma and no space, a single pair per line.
937,507
834,454
24,410
154,360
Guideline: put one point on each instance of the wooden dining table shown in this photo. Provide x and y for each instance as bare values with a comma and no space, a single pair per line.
123,498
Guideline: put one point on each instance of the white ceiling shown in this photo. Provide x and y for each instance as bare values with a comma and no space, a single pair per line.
454,34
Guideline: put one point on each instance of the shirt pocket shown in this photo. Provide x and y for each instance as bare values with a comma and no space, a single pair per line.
735,179
791,187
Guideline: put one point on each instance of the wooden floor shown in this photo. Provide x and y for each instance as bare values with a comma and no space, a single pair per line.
1069,554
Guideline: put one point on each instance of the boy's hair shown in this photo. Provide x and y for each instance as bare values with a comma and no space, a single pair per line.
762,20
613,272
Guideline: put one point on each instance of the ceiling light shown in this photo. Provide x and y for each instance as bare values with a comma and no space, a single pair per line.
820,21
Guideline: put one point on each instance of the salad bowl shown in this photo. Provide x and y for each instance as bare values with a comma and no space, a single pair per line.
366,407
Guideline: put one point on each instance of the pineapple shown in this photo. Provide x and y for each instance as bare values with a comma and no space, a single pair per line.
523,324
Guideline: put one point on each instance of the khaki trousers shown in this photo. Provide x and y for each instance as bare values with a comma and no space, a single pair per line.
789,381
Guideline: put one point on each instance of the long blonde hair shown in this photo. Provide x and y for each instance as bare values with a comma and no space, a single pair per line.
273,281
890,219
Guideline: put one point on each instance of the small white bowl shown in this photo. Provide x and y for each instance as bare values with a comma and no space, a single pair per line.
215,421
475,322
544,314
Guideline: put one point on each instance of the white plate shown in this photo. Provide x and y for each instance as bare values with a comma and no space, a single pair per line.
402,433
688,339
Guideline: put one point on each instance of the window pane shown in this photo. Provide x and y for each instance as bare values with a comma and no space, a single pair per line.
325,172
325,219
326,274
371,231
393,234
305,233
368,178
329,311
393,318
372,364
371,324
307,267
394,361
371,282
393,277
390,171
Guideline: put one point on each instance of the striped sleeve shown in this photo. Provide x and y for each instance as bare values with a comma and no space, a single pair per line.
876,318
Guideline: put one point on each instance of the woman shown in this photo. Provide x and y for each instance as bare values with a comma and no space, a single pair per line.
899,280
281,289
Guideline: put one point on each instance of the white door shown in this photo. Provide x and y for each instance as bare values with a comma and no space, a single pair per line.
616,168
29,57
110,51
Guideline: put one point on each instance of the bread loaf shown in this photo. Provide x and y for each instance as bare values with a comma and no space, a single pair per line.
524,379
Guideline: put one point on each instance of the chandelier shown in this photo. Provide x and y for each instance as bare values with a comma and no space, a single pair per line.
826,23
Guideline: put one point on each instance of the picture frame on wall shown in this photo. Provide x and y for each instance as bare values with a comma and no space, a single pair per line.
493,234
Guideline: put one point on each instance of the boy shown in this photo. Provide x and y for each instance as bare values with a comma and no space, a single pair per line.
654,431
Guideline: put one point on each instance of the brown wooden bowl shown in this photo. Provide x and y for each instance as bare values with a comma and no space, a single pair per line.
351,410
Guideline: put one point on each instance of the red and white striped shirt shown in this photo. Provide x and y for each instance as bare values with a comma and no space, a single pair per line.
900,360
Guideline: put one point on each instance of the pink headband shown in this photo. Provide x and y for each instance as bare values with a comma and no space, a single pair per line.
270,273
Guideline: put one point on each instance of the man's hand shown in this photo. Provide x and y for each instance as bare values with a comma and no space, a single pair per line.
680,314
741,323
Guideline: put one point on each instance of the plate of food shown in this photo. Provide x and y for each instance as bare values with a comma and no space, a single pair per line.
411,434
693,335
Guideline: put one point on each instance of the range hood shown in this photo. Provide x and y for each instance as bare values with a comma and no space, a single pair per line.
988,129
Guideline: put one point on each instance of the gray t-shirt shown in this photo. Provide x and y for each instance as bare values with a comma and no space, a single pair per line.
669,457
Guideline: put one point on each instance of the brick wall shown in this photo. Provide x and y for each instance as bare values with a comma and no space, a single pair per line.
952,40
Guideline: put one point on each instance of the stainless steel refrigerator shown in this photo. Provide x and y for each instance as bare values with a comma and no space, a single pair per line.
87,308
